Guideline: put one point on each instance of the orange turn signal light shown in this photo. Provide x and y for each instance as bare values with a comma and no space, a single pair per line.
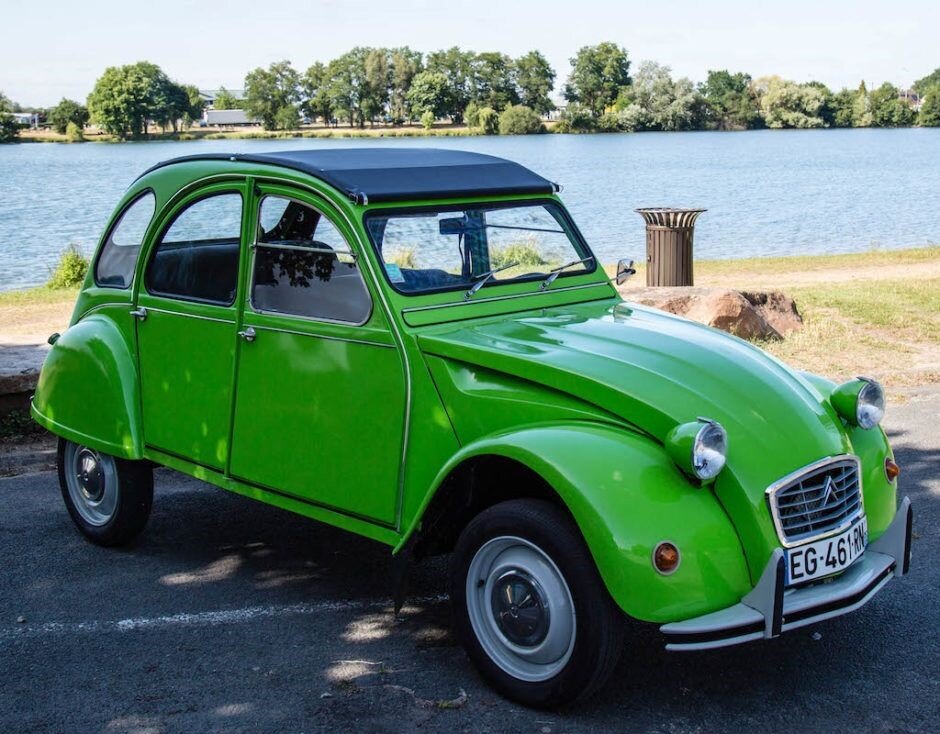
666,558
891,469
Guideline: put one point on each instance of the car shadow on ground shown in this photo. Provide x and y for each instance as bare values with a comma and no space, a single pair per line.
829,667
326,649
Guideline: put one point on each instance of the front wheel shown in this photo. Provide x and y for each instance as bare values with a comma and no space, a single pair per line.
109,499
530,607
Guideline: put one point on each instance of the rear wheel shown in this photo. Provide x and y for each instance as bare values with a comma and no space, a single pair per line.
530,607
109,499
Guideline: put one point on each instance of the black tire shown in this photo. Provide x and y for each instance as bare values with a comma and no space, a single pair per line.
598,622
129,491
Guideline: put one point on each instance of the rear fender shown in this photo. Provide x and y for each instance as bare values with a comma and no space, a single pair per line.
626,496
88,390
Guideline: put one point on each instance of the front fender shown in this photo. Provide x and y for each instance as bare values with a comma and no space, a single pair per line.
626,495
87,390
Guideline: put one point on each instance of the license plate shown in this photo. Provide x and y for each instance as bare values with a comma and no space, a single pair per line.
825,557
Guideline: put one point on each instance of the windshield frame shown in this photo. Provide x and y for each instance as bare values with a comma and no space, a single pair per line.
554,205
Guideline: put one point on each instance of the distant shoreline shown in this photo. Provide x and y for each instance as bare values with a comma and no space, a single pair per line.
259,133
319,132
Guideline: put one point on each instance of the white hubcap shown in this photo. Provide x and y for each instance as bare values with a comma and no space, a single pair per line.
92,482
520,608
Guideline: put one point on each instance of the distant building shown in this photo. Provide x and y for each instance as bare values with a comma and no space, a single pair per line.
209,95
26,119
222,118
227,117
911,97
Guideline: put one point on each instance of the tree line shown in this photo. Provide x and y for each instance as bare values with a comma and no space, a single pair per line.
492,92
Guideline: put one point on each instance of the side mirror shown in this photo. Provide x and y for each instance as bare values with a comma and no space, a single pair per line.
625,269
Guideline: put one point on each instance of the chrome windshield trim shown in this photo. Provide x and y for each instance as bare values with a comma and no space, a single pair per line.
789,479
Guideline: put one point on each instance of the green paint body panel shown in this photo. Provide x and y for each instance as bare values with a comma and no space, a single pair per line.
359,426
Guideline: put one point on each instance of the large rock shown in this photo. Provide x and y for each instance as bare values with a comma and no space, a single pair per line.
747,314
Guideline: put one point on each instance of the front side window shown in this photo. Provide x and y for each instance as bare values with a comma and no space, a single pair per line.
118,258
303,266
196,259
433,250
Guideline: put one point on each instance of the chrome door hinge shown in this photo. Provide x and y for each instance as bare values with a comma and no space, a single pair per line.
248,334
140,313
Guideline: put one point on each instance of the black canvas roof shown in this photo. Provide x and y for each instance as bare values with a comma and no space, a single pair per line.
399,174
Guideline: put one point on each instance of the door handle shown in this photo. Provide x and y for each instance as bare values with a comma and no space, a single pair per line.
140,313
248,334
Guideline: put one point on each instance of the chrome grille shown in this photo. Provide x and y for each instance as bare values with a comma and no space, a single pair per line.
820,499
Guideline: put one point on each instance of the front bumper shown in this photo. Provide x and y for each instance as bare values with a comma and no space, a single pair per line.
770,609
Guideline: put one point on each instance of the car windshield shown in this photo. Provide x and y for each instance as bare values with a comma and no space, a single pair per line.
452,248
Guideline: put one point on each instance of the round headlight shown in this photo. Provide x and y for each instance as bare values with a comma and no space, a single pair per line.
870,407
698,448
709,450
861,402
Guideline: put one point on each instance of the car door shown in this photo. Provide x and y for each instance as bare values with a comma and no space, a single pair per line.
187,314
320,397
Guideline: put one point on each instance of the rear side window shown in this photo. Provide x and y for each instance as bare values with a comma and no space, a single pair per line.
303,266
118,258
196,259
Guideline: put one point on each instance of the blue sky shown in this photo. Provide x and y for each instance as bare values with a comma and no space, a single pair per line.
57,48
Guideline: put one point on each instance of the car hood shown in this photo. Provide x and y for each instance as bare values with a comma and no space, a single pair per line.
655,370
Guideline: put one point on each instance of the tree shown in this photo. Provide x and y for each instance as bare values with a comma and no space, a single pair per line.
457,67
597,75
225,100
842,108
731,104
430,92
268,92
65,112
929,115
784,103
172,104
827,110
377,81
493,81
73,133
405,65
427,119
656,102
126,98
8,127
861,111
316,100
123,99
195,104
923,85
343,87
888,109
535,79
489,120
520,120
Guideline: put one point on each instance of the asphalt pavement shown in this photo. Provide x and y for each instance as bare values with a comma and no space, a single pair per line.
230,616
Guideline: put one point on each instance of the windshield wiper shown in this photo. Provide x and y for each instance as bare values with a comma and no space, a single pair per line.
484,277
553,274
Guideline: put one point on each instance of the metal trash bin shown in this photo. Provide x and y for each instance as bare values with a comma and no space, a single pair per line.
669,245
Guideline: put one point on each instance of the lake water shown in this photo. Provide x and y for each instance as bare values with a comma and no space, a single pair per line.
771,192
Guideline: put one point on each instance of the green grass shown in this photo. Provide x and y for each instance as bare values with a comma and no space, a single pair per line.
908,307
38,296
887,329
